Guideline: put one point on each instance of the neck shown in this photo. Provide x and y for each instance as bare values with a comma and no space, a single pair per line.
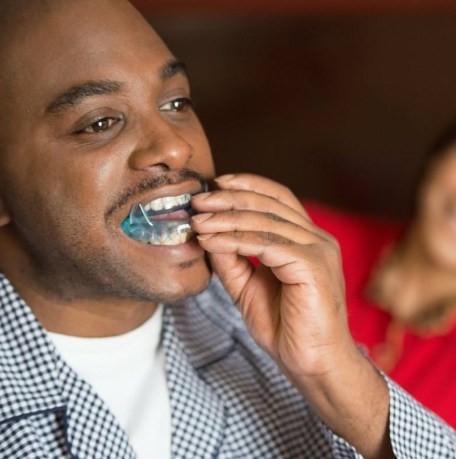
93,319
85,316
88,317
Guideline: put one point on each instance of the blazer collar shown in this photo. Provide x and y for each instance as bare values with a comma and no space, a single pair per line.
207,331
196,334
28,362
194,338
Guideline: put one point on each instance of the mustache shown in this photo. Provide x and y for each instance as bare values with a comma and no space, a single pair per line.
152,183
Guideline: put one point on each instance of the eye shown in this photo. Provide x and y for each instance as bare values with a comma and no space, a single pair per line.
177,105
100,125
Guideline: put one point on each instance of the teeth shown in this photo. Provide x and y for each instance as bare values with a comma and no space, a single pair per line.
168,202
156,205
163,238
172,236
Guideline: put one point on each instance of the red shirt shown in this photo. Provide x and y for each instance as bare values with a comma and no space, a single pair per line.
427,366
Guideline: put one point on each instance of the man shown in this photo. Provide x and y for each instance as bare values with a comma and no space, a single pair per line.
98,140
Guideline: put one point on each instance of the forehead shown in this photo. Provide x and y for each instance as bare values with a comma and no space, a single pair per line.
79,41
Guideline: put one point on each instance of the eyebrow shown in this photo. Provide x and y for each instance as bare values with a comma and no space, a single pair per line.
78,93
172,68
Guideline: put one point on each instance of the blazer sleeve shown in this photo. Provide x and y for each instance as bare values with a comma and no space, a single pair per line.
415,432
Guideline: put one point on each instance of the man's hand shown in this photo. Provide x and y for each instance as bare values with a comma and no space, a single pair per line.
293,302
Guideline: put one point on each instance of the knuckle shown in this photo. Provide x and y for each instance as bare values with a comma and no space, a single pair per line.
285,189
335,247
231,195
238,234
272,238
274,217
332,240
267,236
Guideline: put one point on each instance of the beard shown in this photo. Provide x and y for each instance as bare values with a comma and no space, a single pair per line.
68,254
77,268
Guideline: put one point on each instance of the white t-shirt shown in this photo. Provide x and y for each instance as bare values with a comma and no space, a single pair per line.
128,372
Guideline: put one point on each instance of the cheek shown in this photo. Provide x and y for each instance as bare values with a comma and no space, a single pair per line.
438,188
58,201
83,186
442,176
430,202
436,219
5,213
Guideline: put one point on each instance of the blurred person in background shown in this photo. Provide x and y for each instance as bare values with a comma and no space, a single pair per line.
401,282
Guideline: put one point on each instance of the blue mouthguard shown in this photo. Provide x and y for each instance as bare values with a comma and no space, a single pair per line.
141,226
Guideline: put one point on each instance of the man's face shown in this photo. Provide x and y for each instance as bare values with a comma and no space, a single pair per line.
437,210
95,119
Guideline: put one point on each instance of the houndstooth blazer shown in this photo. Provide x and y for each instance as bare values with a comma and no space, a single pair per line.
228,400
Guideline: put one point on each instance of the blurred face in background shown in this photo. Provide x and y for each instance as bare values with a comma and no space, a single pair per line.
436,210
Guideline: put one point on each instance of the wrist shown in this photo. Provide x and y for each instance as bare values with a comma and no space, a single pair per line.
352,399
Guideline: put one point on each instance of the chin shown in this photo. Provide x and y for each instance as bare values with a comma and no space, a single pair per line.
187,292
195,281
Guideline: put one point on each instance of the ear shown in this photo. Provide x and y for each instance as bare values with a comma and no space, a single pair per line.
5,216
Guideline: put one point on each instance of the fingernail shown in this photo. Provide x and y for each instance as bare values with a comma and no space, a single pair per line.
203,237
224,178
199,218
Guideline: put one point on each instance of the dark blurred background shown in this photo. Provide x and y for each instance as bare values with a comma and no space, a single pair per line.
339,100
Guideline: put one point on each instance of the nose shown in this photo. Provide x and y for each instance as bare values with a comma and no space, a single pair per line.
163,145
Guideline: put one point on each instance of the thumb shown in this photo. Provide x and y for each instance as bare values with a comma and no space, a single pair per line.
233,270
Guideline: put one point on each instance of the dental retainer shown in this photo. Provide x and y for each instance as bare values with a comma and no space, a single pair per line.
141,226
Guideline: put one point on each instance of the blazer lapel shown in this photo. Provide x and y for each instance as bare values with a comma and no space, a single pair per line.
198,416
29,376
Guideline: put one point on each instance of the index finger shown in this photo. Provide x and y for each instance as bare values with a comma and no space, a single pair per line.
262,185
